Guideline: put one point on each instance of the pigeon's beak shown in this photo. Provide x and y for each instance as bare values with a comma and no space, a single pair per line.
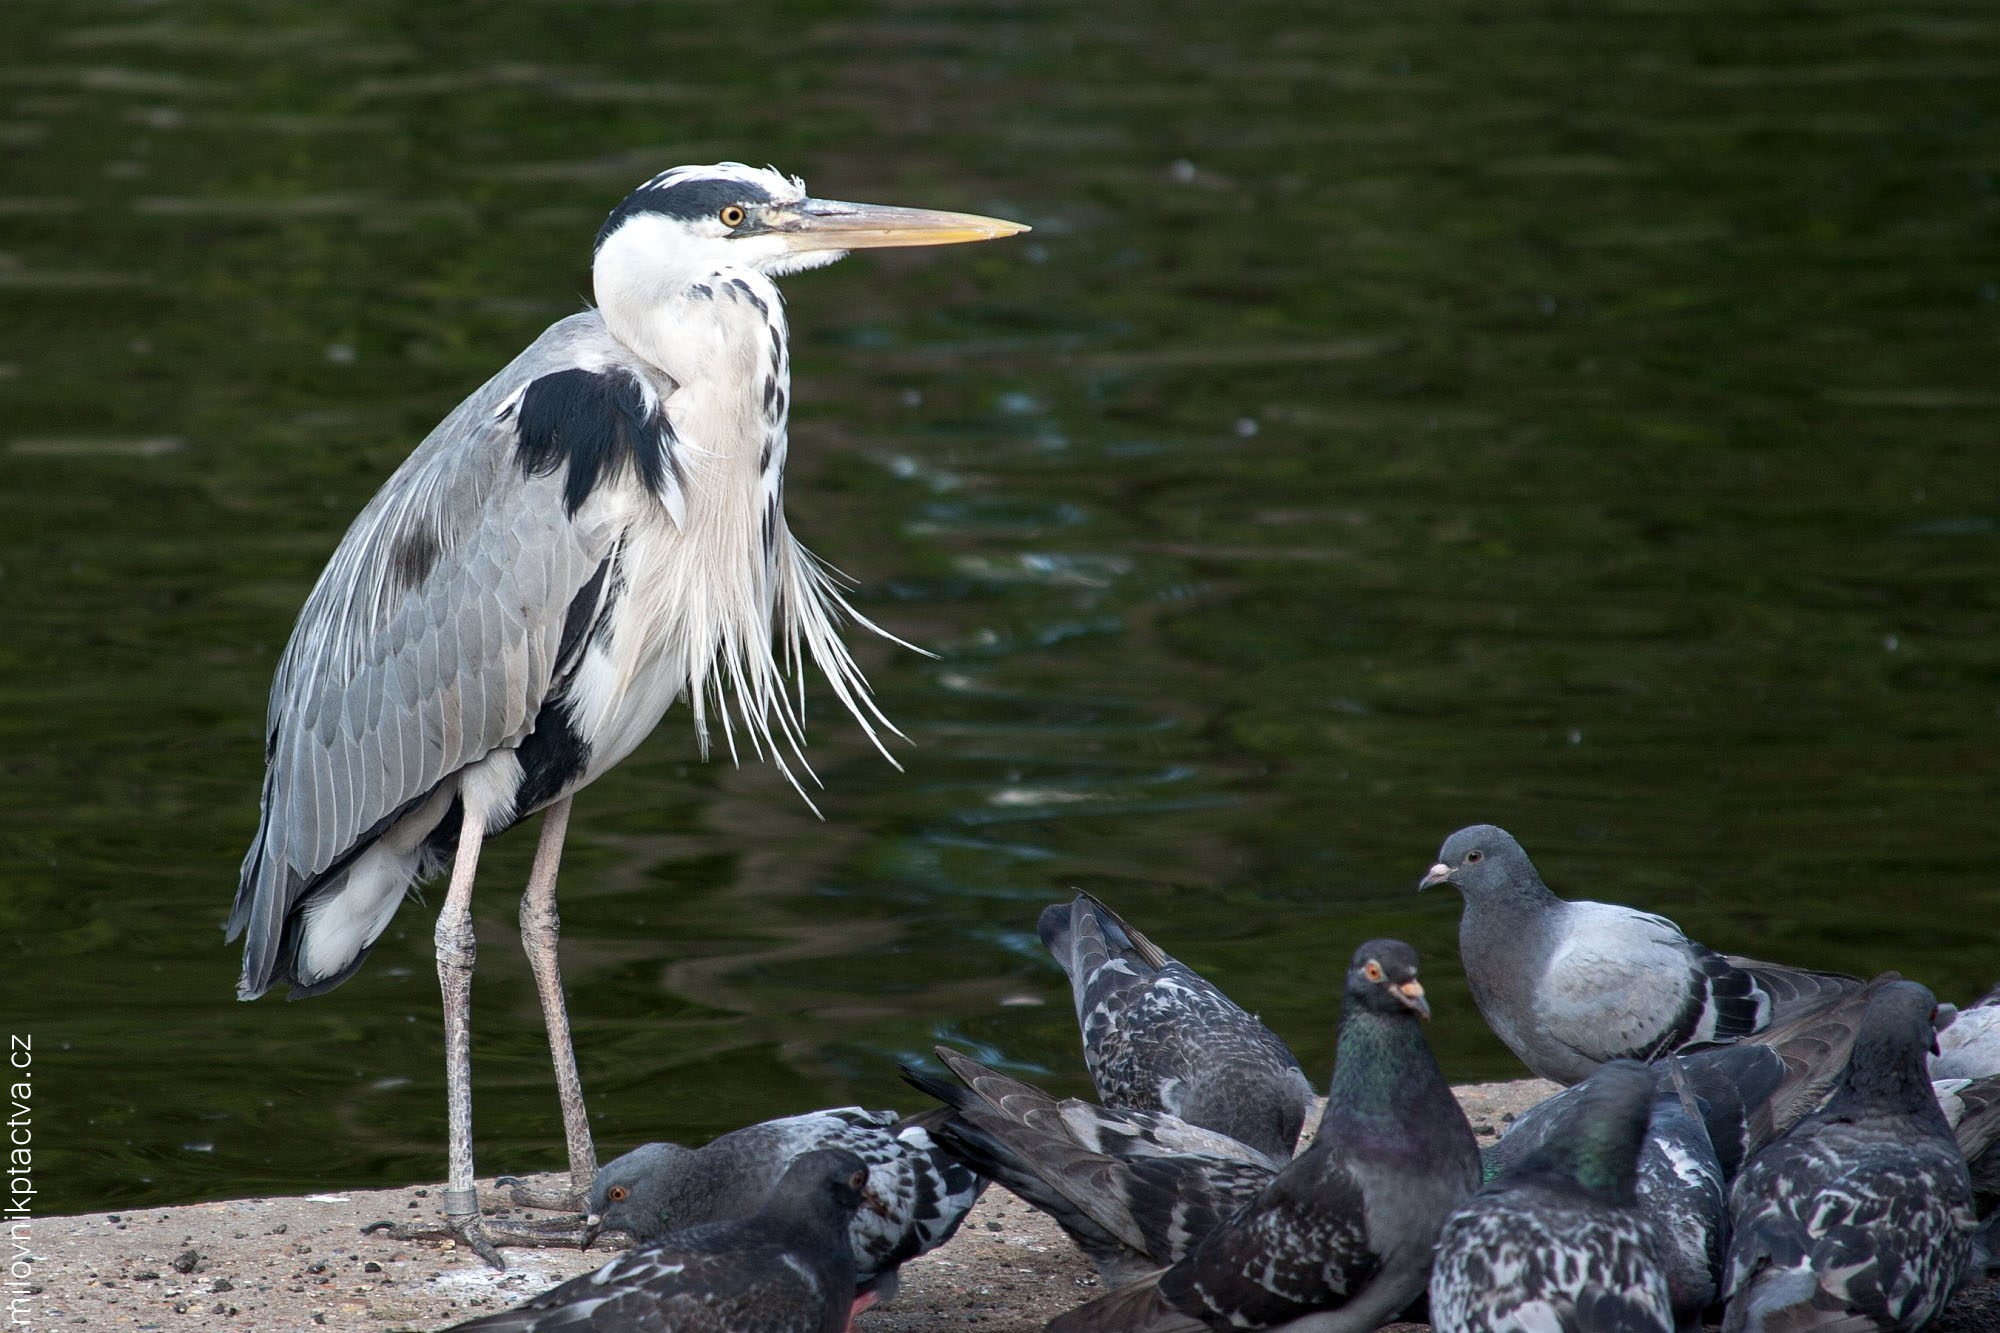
874,1203
1411,993
1437,874
591,1226
830,224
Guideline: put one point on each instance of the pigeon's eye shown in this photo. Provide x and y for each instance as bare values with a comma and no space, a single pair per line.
618,1193
1474,857
731,215
857,1180
1372,970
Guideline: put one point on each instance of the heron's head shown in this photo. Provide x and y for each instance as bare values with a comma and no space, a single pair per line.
692,221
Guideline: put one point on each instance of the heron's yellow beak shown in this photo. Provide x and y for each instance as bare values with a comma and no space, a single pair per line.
830,224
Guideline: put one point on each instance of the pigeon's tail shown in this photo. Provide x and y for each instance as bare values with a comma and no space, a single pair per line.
1083,935
1139,1308
991,1144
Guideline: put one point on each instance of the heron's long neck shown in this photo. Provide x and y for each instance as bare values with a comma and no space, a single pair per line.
733,580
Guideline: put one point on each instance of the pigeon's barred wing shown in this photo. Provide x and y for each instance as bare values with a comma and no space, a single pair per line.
1532,1259
1795,991
1872,1218
436,634
1157,1036
715,1279
1977,1129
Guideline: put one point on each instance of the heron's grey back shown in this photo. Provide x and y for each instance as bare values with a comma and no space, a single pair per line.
430,640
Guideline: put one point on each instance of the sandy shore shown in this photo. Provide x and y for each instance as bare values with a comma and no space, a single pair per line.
302,1263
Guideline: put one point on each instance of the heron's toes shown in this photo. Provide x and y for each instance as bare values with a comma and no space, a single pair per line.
484,1235
524,1194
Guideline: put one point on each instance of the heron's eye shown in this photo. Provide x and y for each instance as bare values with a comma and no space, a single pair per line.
1372,970
731,215
1473,858
618,1193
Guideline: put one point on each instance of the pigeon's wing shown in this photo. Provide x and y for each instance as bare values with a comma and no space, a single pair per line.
1518,1259
1622,984
1874,1218
1130,1134
734,1284
1978,1134
1158,1036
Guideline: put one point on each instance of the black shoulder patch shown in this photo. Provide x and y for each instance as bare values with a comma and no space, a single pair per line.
595,423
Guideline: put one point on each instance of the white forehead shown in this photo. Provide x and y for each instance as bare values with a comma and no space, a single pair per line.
781,188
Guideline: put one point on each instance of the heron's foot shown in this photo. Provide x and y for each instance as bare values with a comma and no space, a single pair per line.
573,1198
484,1235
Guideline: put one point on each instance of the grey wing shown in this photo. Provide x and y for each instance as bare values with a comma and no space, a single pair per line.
658,1290
430,639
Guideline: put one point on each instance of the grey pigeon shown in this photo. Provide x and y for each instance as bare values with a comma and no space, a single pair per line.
1970,1046
1134,1189
1682,1195
923,1192
788,1268
1862,1216
1559,1241
1159,1037
1569,985
1340,1241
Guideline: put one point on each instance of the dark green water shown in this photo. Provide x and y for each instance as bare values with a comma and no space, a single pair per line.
1576,417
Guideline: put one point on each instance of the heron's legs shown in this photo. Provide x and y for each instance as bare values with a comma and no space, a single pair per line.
540,927
456,951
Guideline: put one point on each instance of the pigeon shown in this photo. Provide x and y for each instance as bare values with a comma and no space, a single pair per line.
1970,1046
1682,1194
1158,1037
1561,1239
923,1191
1340,1240
1569,985
787,1268
1862,1215
1135,1190
1974,1111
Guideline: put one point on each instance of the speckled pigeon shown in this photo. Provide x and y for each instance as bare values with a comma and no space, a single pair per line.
1559,1240
1341,1239
1862,1215
1158,1037
1569,985
787,1269
1682,1194
923,1192
1134,1189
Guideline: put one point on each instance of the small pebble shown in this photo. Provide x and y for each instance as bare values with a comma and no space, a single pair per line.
185,1261
372,1267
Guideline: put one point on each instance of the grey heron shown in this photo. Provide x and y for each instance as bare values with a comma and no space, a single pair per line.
595,532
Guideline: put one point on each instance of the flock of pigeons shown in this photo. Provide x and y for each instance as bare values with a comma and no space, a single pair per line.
1788,1149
